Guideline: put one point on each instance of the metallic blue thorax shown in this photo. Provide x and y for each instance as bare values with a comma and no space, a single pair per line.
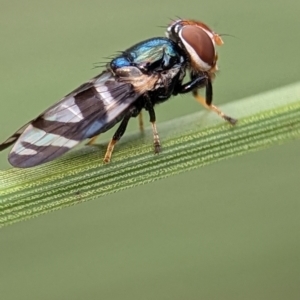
156,54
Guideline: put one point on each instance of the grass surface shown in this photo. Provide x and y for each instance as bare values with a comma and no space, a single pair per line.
30,192
228,230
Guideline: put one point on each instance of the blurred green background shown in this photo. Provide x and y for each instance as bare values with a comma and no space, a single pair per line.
226,231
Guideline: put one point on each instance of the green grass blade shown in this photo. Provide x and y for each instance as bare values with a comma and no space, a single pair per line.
188,143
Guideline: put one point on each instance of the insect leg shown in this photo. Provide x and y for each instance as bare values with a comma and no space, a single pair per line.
197,82
133,112
207,102
92,141
156,141
109,150
116,137
141,122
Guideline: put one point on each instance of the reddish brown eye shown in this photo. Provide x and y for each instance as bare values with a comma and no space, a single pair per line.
200,42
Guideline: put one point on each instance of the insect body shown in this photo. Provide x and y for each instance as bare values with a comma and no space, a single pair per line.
144,75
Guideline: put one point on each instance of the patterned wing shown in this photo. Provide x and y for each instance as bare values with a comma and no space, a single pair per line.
92,108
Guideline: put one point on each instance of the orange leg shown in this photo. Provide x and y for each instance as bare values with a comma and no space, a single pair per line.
156,141
92,141
141,122
214,108
109,150
118,134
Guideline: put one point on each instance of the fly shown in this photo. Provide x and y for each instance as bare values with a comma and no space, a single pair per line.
142,76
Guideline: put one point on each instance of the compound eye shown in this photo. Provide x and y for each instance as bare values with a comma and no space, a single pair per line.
199,45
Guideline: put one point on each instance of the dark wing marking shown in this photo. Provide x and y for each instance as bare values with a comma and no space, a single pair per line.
12,139
89,110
